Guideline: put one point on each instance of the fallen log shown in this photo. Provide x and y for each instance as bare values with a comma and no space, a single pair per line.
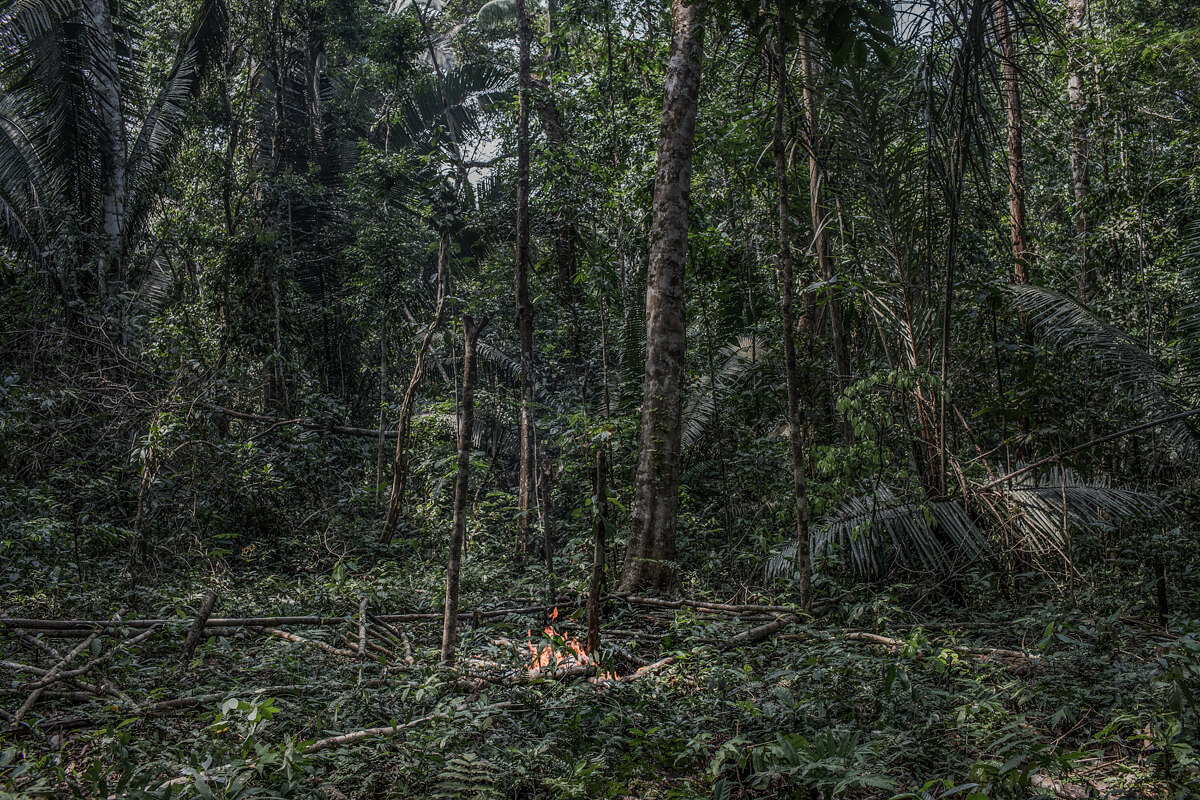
648,668
88,626
360,652
986,652
291,637
93,663
1059,788
632,658
51,676
761,633
701,605
395,636
387,730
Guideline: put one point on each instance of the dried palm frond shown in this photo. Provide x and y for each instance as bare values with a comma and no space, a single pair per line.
1042,509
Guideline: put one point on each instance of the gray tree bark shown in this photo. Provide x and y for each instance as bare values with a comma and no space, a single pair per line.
524,305
105,78
458,531
596,581
1016,161
820,223
1077,11
784,265
656,492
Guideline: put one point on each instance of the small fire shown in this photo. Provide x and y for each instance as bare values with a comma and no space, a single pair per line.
553,655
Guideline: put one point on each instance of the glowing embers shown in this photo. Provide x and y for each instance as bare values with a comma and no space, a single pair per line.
563,653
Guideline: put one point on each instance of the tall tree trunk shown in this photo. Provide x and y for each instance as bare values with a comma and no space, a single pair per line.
383,386
656,492
1016,166
820,223
795,432
1086,275
524,304
313,67
105,78
600,522
458,530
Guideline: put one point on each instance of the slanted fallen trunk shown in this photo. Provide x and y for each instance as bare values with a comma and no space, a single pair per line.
196,632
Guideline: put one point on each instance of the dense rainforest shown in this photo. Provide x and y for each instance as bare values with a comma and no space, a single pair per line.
599,399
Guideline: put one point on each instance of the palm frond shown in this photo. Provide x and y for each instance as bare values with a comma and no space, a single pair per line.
197,52
738,358
912,332
1042,509
1187,320
884,529
25,20
470,90
497,12
21,173
1066,323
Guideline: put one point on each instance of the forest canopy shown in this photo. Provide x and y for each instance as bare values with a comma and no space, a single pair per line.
821,377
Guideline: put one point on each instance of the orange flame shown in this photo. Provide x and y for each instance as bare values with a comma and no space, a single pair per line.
563,650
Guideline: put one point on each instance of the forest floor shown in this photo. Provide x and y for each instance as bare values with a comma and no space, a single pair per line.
862,700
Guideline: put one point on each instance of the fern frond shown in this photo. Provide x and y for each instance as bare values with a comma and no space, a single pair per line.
470,776
883,529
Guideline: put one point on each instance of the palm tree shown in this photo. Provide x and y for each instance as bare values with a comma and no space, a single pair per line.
78,159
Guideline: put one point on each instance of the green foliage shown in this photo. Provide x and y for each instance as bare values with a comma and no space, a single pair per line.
291,171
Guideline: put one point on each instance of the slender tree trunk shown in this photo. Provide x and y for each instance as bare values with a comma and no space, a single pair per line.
1081,178
546,513
1016,165
600,522
820,223
717,423
400,464
383,385
524,305
795,431
458,530
314,66
277,68
403,429
656,492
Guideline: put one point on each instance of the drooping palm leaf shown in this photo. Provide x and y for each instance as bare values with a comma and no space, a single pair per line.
470,90
1042,509
69,87
704,395
160,128
885,528
1066,323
